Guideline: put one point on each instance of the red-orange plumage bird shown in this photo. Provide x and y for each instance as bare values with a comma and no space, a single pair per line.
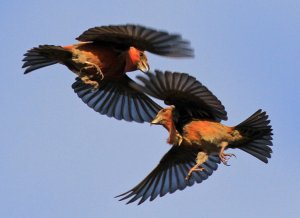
101,60
197,137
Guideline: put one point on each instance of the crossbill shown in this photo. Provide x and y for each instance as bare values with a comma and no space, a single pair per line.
197,136
101,60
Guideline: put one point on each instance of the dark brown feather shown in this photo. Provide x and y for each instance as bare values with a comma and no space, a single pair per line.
191,99
140,37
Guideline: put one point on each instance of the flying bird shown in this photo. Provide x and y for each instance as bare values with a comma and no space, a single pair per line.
197,136
101,59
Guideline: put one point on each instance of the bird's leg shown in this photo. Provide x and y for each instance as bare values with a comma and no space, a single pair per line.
200,159
196,167
179,138
88,75
224,156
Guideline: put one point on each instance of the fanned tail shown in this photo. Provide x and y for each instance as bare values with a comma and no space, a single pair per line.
44,55
257,136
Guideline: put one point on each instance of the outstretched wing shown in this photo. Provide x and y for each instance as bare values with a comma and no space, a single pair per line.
191,99
115,98
169,175
140,37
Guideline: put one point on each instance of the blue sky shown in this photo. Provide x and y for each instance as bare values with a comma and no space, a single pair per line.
59,158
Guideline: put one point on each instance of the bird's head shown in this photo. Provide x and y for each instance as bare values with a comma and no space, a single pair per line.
164,116
137,60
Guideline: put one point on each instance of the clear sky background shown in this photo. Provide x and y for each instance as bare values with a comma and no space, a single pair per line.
59,158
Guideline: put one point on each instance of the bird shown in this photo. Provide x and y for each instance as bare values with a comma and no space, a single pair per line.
197,137
101,59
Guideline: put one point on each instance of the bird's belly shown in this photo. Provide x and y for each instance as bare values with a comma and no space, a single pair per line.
206,135
204,145
209,147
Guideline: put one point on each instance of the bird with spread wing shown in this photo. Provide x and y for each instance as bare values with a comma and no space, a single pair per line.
101,60
197,137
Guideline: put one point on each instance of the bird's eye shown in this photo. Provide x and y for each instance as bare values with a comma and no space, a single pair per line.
163,110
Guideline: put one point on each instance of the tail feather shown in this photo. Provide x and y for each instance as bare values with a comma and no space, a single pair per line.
257,154
43,56
257,135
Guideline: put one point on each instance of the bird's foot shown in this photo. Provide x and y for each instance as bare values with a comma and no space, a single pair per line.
225,157
91,77
193,169
95,85
89,70
99,73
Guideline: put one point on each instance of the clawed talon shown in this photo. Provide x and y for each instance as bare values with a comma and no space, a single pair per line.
225,157
193,169
88,81
99,72
85,70
90,77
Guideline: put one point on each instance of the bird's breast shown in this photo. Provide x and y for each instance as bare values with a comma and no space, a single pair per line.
106,58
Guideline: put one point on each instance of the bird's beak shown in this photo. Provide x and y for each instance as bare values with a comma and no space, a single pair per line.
143,66
156,121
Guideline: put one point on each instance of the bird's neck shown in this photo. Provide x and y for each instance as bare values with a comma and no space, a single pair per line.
173,133
132,57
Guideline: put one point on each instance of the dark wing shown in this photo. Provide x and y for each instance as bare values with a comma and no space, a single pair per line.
191,99
140,37
117,99
169,175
